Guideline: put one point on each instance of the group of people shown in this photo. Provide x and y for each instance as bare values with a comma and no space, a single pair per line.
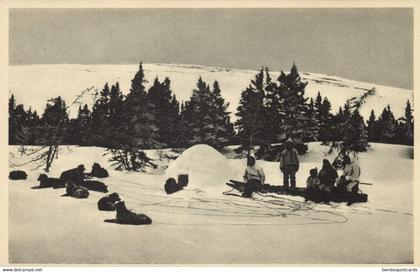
326,180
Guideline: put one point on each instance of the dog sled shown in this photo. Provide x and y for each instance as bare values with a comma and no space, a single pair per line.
317,197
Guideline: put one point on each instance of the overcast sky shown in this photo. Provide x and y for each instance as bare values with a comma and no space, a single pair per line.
372,45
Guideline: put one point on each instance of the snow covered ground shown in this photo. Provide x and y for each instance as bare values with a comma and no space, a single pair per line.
33,85
201,225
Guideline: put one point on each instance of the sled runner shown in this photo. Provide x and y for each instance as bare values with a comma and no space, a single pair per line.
350,198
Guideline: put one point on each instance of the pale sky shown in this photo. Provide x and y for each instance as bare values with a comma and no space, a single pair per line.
372,45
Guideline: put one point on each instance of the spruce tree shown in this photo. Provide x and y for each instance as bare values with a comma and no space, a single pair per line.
55,113
387,126
205,117
355,135
80,127
273,111
12,120
100,126
115,118
296,125
374,132
251,116
221,117
166,111
408,125
138,130
326,133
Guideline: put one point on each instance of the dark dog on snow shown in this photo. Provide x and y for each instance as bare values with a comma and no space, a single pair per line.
46,182
17,175
98,171
75,175
94,185
107,202
125,216
171,186
76,191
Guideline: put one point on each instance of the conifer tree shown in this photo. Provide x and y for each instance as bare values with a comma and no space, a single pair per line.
273,111
296,125
55,112
326,133
408,125
12,120
100,126
221,117
373,128
205,117
388,126
250,112
166,111
80,127
138,130
355,135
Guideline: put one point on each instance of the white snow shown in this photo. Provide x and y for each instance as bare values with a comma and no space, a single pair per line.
32,85
203,226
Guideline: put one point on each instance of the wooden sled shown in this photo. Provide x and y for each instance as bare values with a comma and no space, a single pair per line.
350,198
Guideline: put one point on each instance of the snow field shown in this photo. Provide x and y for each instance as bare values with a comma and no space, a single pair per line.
201,225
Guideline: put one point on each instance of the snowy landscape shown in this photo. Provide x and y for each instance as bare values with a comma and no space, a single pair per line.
34,84
201,224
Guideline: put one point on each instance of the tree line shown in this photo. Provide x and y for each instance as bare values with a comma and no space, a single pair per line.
269,112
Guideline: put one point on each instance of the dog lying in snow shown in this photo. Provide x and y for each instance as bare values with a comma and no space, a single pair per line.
76,191
107,202
75,175
127,217
46,182
94,185
17,175
98,171
78,177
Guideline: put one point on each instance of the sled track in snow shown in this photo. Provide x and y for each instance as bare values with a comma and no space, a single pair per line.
265,209
223,210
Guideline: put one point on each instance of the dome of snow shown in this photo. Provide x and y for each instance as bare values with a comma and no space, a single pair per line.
205,166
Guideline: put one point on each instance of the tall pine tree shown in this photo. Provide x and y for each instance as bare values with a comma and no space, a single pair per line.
166,111
297,124
205,117
138,129
251,116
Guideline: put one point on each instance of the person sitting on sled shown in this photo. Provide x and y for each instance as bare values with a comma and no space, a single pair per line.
349,180
327,175
315,190
254,177
313,183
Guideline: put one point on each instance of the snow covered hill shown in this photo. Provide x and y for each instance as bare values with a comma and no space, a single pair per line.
32,85
201,225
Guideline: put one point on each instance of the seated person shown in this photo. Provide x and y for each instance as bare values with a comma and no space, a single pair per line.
313,183
254,177
315,190
328,175
349,180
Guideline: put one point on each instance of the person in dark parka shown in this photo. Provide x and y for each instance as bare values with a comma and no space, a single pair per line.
327,175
